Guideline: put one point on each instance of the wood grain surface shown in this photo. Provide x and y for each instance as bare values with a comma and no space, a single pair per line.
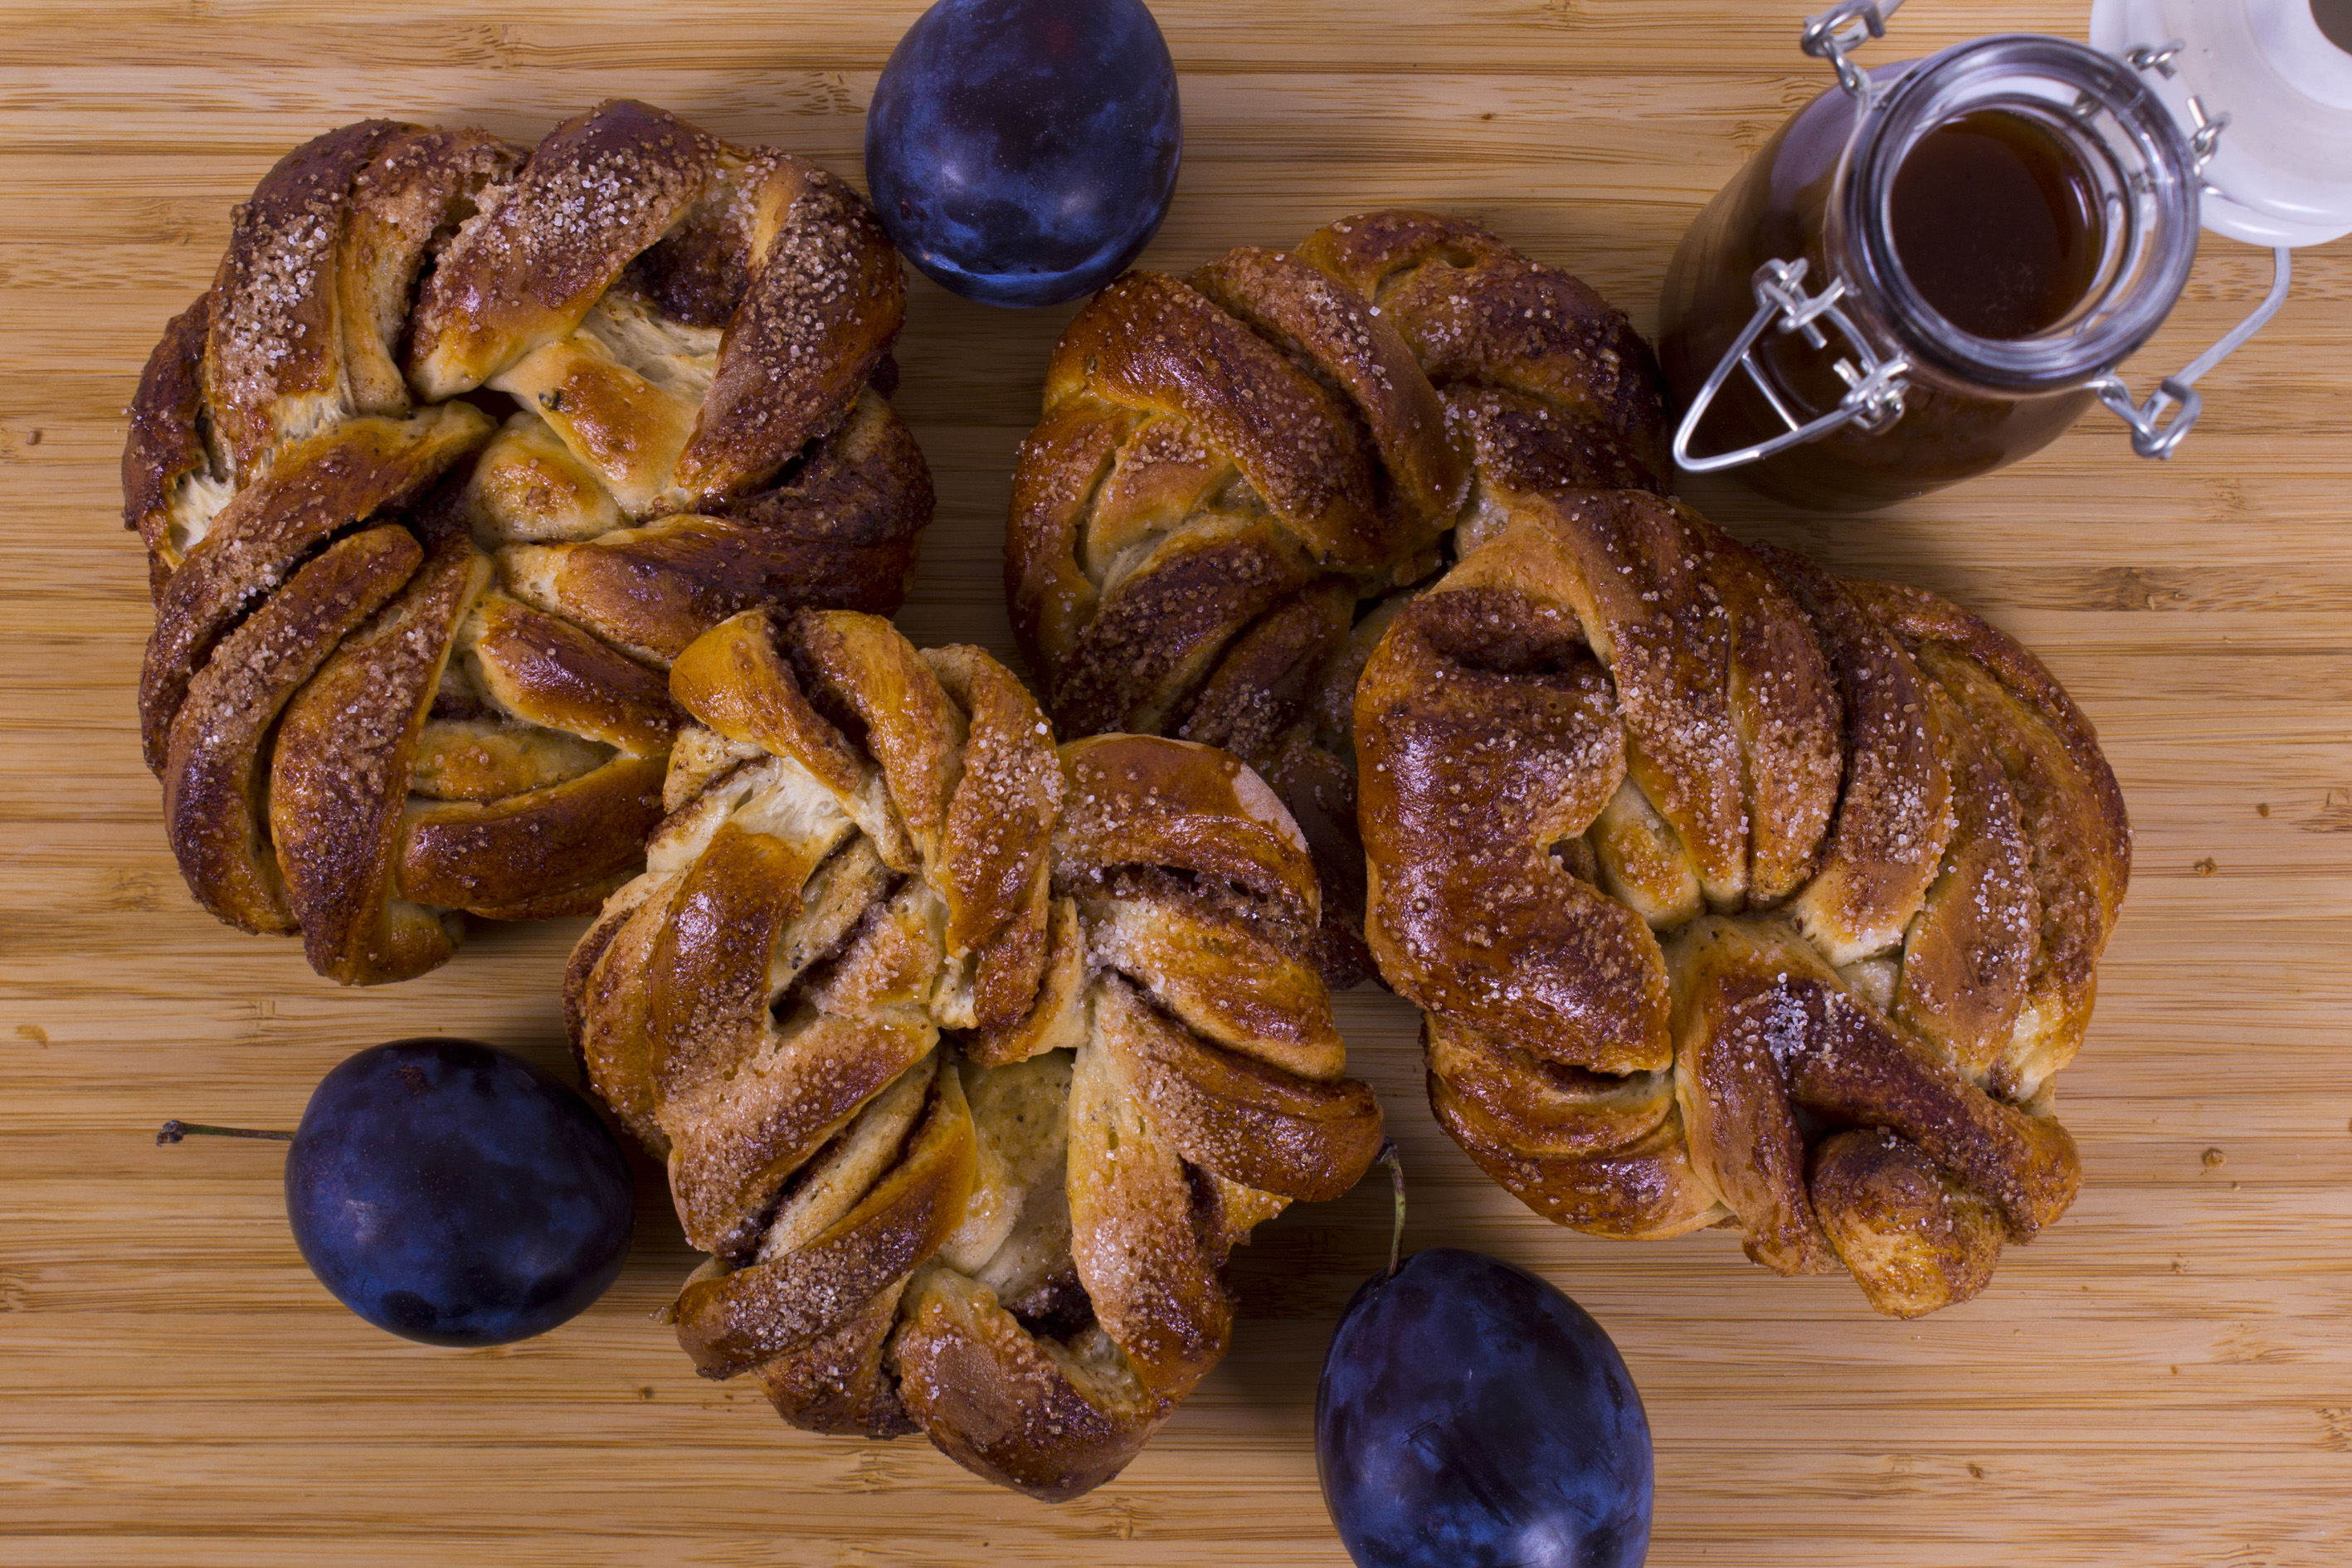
2164,1378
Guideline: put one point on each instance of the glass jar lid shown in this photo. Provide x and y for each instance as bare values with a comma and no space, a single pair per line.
2264,87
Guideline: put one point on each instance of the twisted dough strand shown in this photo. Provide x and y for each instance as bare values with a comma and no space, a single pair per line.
1013,1239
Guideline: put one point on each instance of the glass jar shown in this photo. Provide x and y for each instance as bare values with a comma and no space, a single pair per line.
1930,271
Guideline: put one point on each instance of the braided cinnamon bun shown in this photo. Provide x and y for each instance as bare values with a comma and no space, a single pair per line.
464,444
971,1056
1735,893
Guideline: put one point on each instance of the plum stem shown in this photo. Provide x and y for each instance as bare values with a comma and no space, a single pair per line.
173,1132
1388,1157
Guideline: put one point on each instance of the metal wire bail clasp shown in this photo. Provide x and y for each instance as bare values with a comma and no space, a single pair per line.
1875,387
1841,28
2150,435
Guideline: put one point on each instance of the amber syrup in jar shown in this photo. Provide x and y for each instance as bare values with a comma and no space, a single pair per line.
1996,224
2011,218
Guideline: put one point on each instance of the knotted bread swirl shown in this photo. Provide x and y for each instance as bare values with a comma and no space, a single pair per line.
1012,1240
1736,893
406,658
1231,466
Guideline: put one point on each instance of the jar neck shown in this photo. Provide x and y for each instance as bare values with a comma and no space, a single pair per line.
2136,165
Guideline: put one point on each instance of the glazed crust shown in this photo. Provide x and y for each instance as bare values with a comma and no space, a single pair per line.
1736,893
694,338
1231,466
970,1056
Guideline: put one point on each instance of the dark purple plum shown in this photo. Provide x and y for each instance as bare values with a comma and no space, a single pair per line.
1023,151
456,1194
1472,1416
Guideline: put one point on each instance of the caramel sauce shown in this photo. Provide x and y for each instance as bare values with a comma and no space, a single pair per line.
1996,224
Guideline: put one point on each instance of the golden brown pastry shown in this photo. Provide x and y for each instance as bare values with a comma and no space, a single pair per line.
1232,465
1733,893
464,443
970,1058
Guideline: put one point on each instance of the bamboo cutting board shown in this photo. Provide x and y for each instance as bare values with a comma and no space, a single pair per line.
2164,1378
